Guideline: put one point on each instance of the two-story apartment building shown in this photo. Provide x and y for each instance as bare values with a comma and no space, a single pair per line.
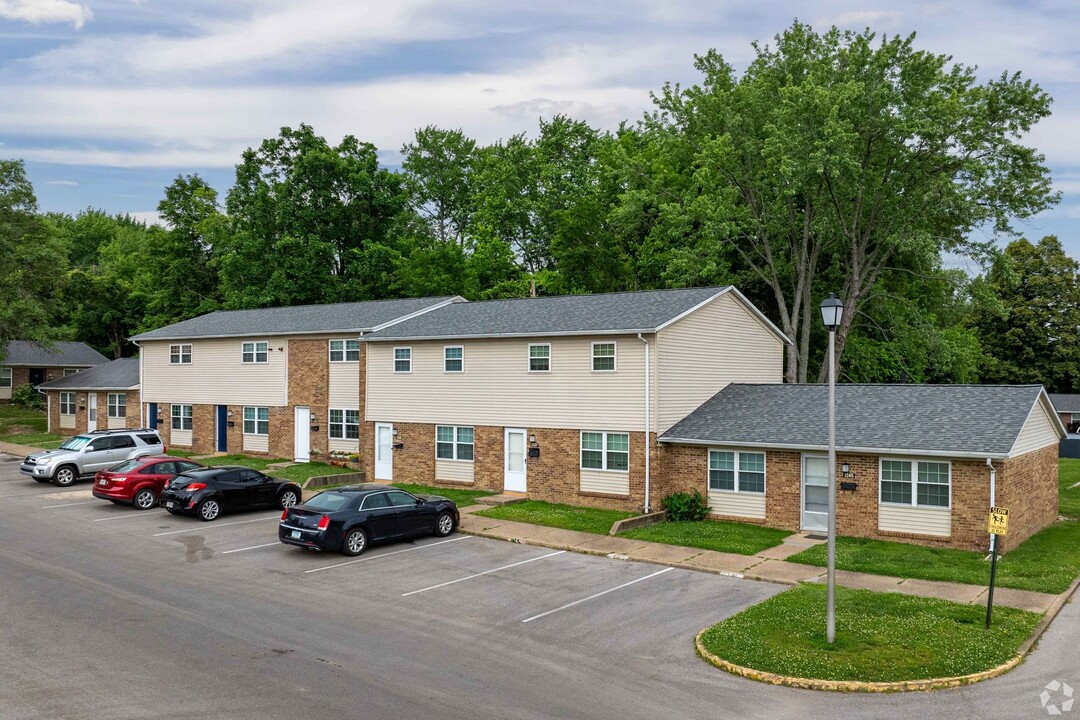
283,382
559,397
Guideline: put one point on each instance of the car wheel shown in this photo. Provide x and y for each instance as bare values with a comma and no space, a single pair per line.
354,543
209,509
65,476
145,499
444,524
287,499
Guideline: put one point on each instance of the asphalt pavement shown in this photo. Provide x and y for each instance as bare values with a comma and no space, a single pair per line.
112,613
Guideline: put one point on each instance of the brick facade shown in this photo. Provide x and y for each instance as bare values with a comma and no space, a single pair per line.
131,410
1028,486
20,375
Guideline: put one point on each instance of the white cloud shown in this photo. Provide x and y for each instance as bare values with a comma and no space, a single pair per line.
150,217
62,183
37,12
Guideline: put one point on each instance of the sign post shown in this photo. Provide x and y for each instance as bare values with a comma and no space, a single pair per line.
997,524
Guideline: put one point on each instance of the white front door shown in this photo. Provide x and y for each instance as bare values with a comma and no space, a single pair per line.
815,493
514,465
384,451
91,412
302,434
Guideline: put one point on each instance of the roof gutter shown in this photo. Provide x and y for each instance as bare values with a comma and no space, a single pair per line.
531,334
839,448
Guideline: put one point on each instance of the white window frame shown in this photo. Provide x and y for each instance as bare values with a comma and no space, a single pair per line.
614,356
408,359
914,463
445,359
738,453
177,354
342,426
1075,417
117,402
257,422
70,371
531,358
5,377
345,348
255,352
456,443
604,450
67,401
180,415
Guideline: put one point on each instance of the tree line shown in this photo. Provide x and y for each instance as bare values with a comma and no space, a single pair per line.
836,162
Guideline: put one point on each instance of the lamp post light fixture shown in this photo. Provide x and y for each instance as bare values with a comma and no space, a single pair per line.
832,310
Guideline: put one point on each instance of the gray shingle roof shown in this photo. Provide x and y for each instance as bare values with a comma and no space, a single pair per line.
297,319
121,374
60,354
982,420
1066,402
623,312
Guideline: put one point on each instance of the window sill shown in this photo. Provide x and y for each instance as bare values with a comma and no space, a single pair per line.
916,507
619,472
593,493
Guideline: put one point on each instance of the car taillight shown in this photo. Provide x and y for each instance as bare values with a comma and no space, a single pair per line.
164,449
119,479
284,513
324,522
195,486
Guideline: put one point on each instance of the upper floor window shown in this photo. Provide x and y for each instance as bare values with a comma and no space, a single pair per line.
181,354
403,359
254,352
603,357
256,421
539,357
605,451
344,424
181,417
453,443
5,377
344,351
737,471
67,403
920,483
117,405
453,359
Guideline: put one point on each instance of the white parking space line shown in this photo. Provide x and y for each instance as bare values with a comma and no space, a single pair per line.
88,502
128,516
212,526
486,572
376,557
253,547
599,594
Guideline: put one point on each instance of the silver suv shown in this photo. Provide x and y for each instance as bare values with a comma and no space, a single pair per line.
83,455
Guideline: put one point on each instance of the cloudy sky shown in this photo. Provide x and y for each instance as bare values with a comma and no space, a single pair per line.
108,100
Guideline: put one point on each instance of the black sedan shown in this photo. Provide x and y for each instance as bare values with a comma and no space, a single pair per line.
351,517
208,492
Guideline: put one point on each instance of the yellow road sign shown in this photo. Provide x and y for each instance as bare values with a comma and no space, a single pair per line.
998,524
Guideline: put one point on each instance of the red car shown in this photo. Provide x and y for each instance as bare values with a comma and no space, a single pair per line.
139,481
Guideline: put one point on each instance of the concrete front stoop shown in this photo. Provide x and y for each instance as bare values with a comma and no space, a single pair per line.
506,498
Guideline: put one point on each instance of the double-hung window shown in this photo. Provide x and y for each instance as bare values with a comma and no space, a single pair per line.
67,403
256,421
605,451
403,359
180,354
5,377
181,417
344,351
540,357
344,424
919,483
117,405
453,443
254,352
603,357
734,471
453,359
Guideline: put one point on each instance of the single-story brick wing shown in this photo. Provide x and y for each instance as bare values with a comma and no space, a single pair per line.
25,362
103,397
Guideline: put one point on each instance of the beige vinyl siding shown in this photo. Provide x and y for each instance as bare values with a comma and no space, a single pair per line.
68,421
343,445
605,481
5,393
180,437
497,388
454,470
117,423
918,520
344,391
216,375
738,504
700,354
1039,431
256,443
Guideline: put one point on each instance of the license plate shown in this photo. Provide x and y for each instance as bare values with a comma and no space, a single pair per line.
296,534
170,504
102,481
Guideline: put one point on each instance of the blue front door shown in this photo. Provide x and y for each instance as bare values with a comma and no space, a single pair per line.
153,416
222,428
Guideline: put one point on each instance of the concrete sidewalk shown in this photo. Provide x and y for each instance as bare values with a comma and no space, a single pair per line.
769,565
19,451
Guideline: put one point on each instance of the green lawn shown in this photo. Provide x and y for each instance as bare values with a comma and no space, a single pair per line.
1069,496
302,471
1047,562
731,537
26,427
43,440
880,637
461,498
568,517
255,463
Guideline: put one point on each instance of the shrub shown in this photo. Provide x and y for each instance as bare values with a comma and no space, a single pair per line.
26,396
686,506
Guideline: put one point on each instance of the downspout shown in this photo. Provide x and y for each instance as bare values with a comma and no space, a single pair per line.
648,421
993,491
142,398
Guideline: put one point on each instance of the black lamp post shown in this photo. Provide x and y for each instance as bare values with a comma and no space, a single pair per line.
832,310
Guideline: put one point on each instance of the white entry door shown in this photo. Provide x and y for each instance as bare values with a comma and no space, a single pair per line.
384,451
815,493
514,466
91,412
302,434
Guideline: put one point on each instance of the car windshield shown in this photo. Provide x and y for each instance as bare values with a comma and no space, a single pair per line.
327,501
127,465
75,443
